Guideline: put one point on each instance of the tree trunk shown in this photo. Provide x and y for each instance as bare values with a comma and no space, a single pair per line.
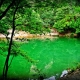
6,66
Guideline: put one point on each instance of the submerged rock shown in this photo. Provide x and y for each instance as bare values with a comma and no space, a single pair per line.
34,70
49,65
51,78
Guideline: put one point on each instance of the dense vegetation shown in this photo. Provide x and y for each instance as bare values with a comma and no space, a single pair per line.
59,14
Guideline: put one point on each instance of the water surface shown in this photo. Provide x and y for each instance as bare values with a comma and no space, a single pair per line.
51,56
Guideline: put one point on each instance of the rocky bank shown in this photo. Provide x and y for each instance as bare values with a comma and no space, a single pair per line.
72,75
22,35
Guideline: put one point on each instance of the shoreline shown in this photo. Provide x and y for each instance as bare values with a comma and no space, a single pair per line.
23,36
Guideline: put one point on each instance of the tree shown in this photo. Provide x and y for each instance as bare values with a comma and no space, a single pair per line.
5,70
15,5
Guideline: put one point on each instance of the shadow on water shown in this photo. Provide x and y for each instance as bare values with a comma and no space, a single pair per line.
23,78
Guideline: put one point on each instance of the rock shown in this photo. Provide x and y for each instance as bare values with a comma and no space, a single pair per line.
2,36
48,34
72,75
38,35
34,70
49,65
9,36
9,31
23,36
64,73
54,34
51,78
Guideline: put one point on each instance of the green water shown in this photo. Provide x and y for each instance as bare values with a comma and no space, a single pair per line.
52,56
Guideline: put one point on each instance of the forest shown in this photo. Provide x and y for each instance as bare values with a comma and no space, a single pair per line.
37,17
40,16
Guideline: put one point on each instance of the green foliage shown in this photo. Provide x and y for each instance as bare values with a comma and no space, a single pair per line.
35,22
67,19
62,15
31,21
47,14
15,51
3,26
3,49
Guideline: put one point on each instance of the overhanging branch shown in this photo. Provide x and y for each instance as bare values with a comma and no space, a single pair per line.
4,13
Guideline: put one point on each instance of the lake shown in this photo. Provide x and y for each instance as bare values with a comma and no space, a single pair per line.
51,57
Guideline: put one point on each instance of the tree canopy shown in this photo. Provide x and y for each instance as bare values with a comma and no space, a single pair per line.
37,16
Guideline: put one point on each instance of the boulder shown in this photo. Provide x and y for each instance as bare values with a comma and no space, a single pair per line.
64,73
2,36
54,34
51,78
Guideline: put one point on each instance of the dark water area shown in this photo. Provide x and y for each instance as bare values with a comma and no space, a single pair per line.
51,56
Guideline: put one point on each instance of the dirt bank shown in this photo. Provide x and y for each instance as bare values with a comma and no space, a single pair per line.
72,75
